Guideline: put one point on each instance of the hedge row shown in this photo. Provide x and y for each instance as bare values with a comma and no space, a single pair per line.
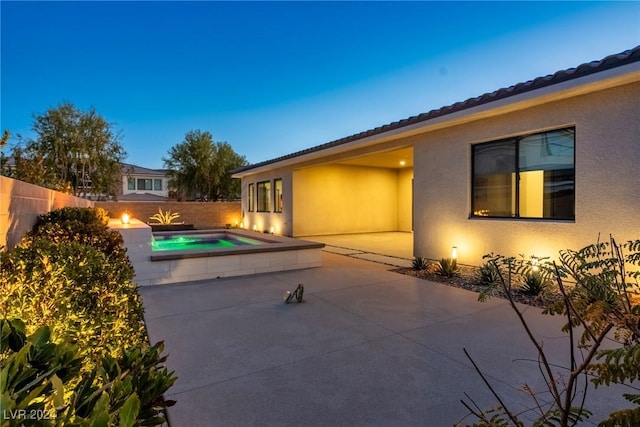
79,352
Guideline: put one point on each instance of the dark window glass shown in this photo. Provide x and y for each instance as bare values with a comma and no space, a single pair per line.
277,195
526,177
264,196
251,196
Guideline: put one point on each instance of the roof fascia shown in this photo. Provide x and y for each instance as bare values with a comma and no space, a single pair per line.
595,82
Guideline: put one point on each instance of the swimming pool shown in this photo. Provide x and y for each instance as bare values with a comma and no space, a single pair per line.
193,241
226,253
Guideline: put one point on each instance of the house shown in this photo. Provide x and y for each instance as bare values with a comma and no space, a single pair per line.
142,184
534,168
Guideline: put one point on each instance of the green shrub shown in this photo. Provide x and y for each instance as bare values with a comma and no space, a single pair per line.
419,263
447,267
82,225
43,379
488,275
533,283
76,290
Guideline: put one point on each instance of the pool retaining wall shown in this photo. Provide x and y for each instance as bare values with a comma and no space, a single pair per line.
282,253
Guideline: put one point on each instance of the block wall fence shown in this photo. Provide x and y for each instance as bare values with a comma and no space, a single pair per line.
203,215
21,203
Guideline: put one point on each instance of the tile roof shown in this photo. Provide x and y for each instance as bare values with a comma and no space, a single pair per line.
611,61
128,168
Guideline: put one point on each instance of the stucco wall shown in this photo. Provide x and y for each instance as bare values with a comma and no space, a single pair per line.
21,203
607,144
333,199
281,222
202,215
405,199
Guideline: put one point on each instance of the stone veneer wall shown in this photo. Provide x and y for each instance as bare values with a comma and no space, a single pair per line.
203,215
21,203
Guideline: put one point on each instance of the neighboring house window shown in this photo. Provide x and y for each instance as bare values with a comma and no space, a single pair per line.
145,184
531,176
131,184
157,185
277,195
251,195
264,196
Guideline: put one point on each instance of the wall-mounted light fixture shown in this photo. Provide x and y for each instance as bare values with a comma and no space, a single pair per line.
454,253
402,163
125,218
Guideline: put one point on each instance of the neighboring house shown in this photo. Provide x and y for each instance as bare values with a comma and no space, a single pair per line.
142,184
533,168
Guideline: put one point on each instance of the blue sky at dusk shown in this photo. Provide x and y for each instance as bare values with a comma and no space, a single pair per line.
272,78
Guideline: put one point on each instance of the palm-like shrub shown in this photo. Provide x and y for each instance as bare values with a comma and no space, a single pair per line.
166,217
419,263
447,267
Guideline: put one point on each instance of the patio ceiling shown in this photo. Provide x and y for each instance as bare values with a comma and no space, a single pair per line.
385,159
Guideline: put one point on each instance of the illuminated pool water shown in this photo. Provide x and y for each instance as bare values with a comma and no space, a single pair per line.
193,241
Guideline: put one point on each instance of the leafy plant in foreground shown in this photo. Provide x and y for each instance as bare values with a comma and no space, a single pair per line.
604,302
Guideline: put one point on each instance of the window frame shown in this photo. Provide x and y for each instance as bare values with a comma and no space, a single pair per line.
251,197
277,203
517,171
144,186
267,197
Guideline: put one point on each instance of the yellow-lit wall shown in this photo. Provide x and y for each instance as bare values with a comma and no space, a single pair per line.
405,199
333,199
263,221
607,185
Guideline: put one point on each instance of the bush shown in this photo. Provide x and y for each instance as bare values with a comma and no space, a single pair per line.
533,284
447,267
70,281
42,378
488,275
87,226
77,291
601,308
419,263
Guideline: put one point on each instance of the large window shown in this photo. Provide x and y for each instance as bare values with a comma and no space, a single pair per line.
252,197
264,196
157,185
145,184
531,176
277,195
131,184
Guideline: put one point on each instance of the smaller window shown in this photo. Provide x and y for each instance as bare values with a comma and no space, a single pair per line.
277,195
251,196
157,185
131,184
264,196
145,184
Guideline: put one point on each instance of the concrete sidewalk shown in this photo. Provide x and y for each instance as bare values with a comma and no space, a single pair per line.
368,347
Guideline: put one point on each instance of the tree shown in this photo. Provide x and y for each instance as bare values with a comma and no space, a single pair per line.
200,167
75,151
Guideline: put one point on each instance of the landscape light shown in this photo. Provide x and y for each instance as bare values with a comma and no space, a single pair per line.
454,253
534,262
125,218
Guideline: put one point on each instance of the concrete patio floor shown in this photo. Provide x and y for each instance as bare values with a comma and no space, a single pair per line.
368,347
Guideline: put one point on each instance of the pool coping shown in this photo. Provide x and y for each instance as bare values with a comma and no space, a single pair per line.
275,244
